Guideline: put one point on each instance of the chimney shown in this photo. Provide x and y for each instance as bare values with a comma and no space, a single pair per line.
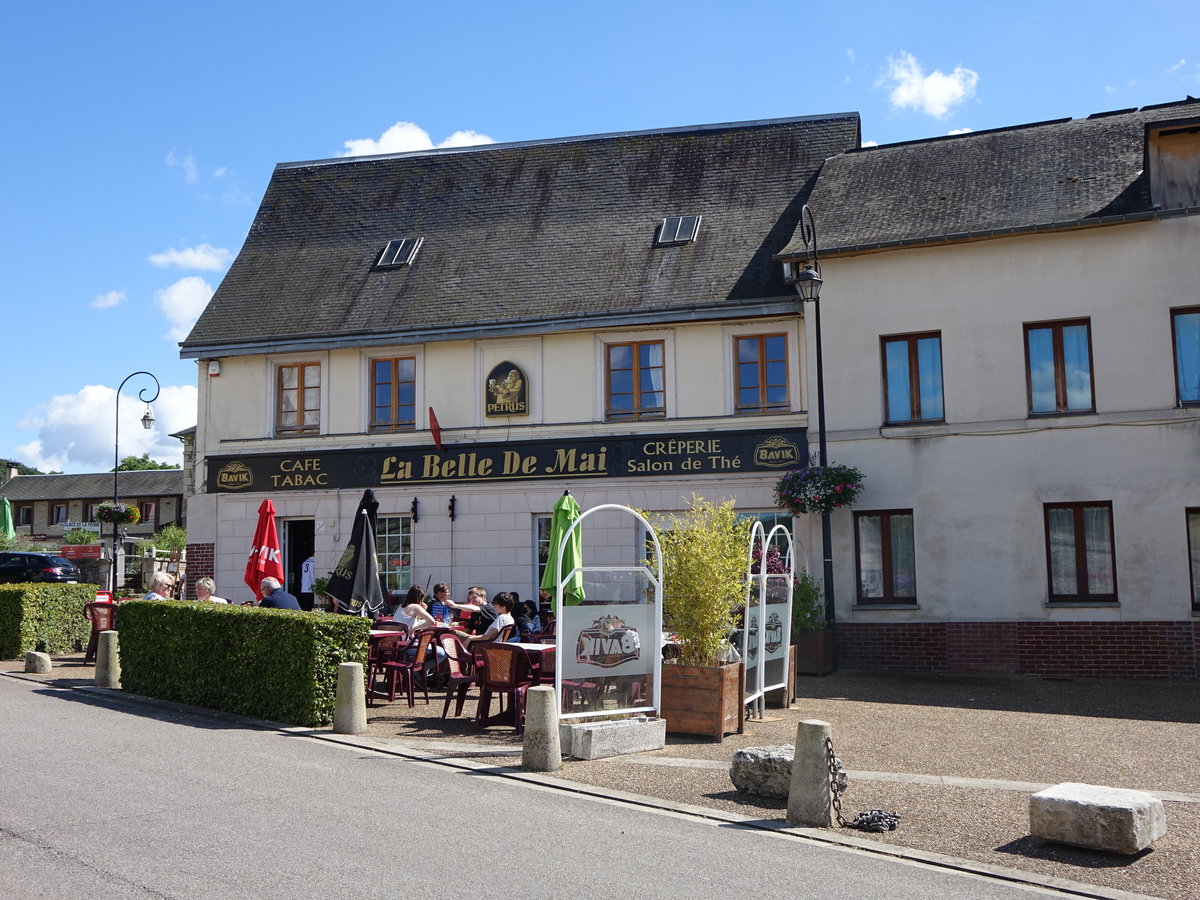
13,471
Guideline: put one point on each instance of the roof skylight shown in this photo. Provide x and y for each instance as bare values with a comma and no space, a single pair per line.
399,253
678,229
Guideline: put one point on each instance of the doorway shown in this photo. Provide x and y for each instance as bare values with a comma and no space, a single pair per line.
299,545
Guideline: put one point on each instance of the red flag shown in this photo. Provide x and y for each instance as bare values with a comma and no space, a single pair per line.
436,429
265,558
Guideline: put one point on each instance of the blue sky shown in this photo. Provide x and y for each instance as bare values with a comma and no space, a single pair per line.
139,137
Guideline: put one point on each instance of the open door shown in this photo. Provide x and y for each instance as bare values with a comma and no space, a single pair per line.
298,546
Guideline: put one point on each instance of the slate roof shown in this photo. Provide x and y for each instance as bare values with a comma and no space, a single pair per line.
90,486
1033,177
515,235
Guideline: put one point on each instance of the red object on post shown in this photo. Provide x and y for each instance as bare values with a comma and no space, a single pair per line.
435,429
265,558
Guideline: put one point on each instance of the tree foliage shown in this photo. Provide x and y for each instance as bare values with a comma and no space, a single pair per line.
141,463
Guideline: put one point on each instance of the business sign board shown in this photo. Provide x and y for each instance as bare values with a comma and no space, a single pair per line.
618,456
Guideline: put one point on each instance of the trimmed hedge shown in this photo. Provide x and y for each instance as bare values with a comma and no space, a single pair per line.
44,617
266,663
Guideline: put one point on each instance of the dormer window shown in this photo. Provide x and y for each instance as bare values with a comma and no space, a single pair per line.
399,253
1173,153
678,230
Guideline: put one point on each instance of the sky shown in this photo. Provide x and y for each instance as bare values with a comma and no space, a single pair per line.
139,137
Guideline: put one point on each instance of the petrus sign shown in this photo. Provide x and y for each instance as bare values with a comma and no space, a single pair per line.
617,456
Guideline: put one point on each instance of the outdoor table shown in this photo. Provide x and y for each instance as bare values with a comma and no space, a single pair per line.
535,655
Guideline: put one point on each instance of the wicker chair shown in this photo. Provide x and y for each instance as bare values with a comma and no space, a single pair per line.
506,676
406,669
462,671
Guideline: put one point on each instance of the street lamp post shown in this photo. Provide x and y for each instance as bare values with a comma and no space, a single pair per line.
808,283
147,423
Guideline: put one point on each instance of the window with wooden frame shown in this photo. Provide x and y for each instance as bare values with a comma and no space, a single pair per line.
149,511
1193,533
912,378
762,374
885,556
635,376
298,399
1185,336
58,514
1058,367
1080,552
394,394
25,515
393,545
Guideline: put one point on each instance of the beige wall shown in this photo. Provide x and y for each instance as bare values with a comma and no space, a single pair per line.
977,483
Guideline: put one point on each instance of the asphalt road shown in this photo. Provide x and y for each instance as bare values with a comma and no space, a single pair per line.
118,799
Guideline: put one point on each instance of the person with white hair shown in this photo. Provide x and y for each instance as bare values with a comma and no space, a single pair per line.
161,585
206,590
275,597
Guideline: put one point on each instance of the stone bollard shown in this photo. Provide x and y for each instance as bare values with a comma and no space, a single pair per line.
350,704
108,661
541,751
809,803
38,663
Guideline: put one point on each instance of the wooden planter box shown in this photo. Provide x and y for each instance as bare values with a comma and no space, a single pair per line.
814,652
704,699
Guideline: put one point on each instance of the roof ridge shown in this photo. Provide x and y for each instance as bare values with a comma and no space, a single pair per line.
575,139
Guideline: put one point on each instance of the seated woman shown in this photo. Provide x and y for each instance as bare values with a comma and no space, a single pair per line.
206,590
504,604
411,611
161,585
526,617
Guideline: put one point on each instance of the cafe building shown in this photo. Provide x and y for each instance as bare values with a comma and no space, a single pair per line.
470,332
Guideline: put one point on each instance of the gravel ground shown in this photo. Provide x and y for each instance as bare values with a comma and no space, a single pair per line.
1129,734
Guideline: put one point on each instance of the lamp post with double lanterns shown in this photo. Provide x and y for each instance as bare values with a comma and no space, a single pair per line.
808,281
147,423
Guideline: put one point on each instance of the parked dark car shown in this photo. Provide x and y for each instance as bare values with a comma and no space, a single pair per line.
18,568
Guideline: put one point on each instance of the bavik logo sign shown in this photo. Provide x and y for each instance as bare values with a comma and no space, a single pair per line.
507,391
234,476
777,452
607,643
774,633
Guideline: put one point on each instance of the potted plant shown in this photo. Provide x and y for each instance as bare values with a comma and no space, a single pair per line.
118,513
817,488
704,565
811,635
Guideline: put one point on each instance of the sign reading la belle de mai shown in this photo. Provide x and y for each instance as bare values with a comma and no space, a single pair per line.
623,456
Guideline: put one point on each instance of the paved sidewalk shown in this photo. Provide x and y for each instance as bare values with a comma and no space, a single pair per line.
956,756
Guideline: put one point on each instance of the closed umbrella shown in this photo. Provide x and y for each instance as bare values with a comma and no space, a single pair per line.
566,511
265,558
7,531
355,580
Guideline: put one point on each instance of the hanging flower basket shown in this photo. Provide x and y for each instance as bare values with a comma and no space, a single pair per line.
814,489
118,513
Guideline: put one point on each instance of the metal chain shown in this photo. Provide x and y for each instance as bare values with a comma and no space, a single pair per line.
876,820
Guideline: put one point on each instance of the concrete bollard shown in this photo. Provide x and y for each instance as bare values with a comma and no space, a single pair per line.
108,661
350,704
809,803
541,751
38,663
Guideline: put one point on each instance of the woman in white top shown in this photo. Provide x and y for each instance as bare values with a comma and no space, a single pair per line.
413,612
504,604
160,587
204,591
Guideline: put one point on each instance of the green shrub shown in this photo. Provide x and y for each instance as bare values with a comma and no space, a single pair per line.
808,605
80,537
270,664
44,617
169,537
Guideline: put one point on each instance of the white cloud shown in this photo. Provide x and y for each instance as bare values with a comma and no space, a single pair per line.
106,300
960,131
205,257
182,303
220,171
934,94
850,56
404,137
870,143
1175,68
191,174
75,431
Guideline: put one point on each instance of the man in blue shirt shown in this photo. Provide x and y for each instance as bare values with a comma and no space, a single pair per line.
275,597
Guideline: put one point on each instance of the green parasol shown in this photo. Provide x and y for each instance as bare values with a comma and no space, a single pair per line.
566,511
7,531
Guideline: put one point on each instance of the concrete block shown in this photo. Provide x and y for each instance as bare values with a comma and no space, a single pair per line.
765,771
350,701
38,663
617,737
541,750
809,801
1100,818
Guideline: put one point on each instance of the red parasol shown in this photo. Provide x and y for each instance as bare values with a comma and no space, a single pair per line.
265,558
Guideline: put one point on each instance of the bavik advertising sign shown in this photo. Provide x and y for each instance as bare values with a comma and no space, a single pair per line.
623,456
